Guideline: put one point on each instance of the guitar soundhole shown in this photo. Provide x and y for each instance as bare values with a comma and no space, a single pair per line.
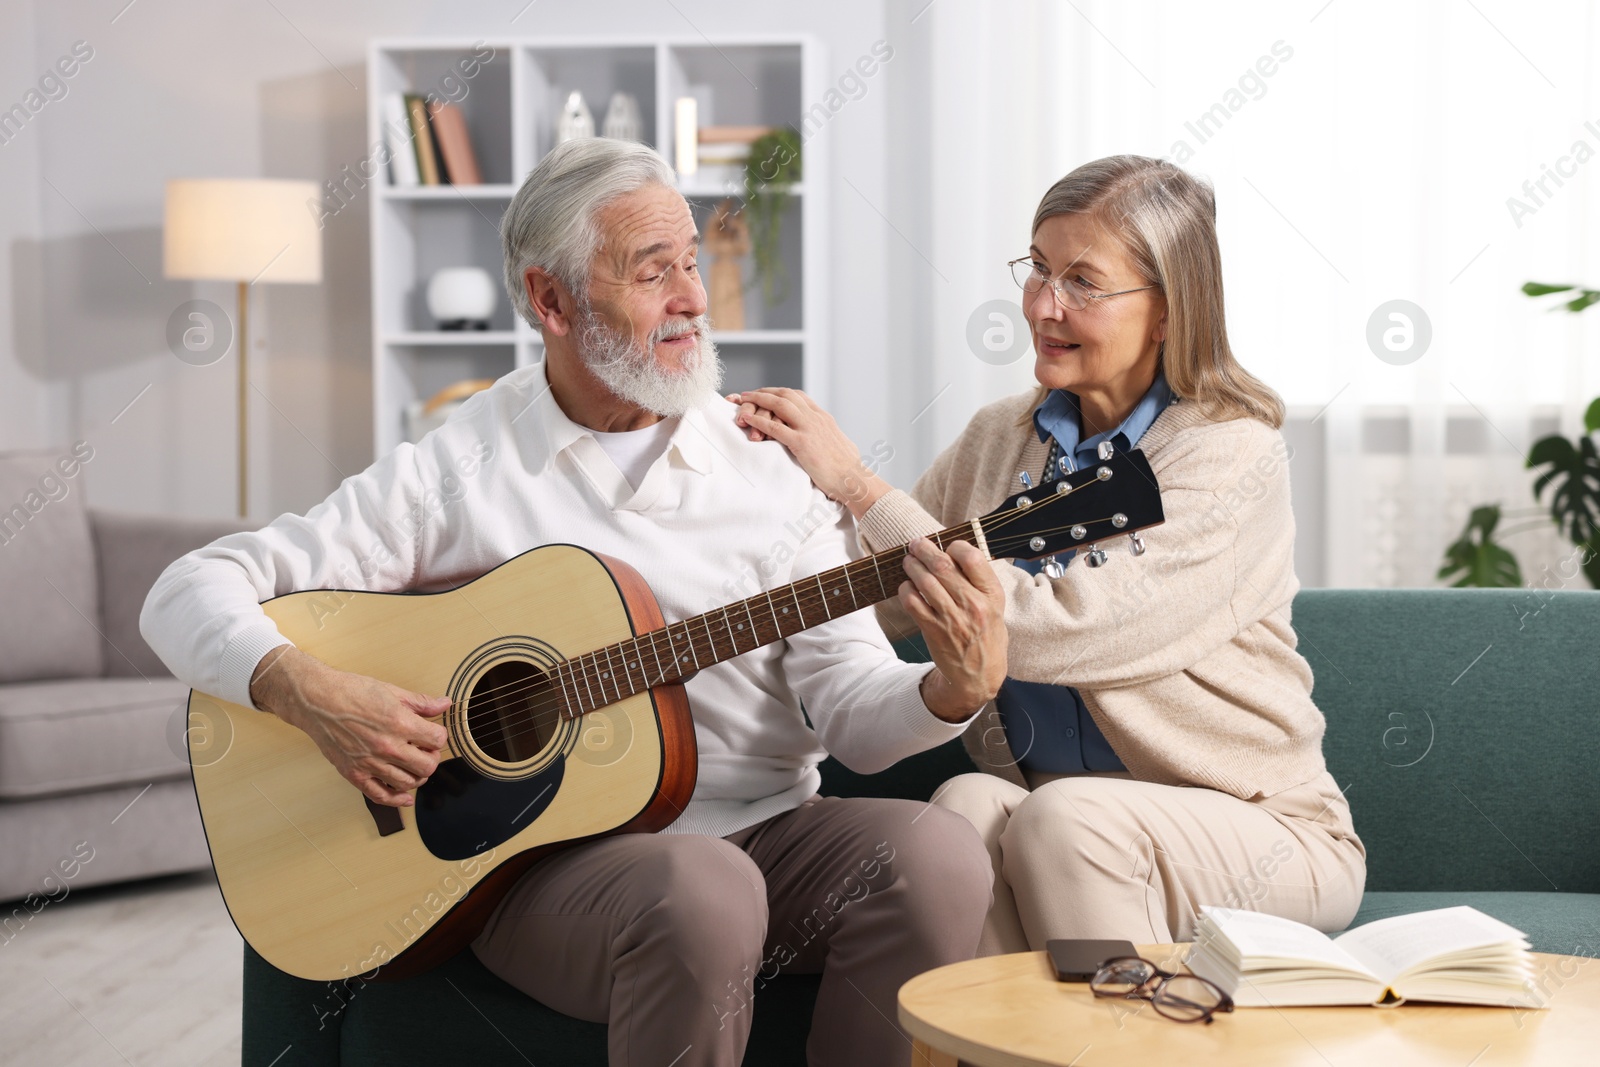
512,712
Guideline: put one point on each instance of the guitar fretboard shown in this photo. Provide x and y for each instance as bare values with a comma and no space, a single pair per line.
607,675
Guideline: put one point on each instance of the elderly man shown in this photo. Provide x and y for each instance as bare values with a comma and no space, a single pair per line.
619,442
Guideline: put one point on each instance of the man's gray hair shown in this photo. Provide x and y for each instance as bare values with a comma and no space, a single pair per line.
551,221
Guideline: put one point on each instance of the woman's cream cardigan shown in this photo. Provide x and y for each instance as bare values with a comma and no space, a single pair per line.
1184,655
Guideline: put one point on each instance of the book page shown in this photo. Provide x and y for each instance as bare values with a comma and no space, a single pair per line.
1285,986
1392,947
1259,938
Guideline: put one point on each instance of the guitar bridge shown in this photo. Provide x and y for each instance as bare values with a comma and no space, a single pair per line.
387,819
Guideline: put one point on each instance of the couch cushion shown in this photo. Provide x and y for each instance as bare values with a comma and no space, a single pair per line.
1566,924
1462,724
48,586
58,737
132,551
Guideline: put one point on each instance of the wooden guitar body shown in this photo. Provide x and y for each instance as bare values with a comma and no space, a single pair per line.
324,885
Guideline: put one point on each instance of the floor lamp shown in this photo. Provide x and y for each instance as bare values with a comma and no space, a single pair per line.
246,232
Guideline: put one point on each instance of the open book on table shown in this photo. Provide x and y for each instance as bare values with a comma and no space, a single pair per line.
1458,955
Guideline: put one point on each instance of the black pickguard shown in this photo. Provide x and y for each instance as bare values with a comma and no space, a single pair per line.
461,813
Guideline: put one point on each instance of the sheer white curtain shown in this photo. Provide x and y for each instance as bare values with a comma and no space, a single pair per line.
1440,153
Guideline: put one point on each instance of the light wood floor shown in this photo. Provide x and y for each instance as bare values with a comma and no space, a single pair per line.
140,974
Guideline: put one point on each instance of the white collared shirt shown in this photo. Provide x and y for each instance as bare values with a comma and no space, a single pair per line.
715,518
635,451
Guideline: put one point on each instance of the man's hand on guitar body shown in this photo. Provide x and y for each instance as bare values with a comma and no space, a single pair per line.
377,736
957,602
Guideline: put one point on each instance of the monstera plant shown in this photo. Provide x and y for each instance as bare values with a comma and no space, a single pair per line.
1479,561
1568,485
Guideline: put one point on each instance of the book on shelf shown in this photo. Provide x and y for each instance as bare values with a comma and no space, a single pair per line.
744,135
455,144
1455,955
723,154
422,139
728,145
397,133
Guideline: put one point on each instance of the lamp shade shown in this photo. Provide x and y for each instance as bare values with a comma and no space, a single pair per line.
257,230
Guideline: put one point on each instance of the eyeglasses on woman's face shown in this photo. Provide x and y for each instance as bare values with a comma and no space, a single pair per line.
1184,997
1030,275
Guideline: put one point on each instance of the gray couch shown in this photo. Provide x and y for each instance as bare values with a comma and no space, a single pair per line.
94,781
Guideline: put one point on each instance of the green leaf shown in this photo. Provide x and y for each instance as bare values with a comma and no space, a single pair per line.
1574,478
1590,296
1480,562
1542,289
1553,449
1591,418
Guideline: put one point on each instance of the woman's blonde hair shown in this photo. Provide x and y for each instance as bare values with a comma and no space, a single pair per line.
1167,220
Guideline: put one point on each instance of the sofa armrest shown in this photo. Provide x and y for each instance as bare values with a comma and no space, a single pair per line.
132,551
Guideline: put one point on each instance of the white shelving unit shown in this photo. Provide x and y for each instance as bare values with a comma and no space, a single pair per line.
511,104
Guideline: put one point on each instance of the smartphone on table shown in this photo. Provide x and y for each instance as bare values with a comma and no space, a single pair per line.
1077,960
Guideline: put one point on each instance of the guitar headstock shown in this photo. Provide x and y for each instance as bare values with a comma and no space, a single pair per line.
1106,498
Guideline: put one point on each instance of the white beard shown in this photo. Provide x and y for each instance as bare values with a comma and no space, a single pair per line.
630,370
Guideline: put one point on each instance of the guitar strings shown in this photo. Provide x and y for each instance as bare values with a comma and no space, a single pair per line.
550,708
808,599
545,710
546,713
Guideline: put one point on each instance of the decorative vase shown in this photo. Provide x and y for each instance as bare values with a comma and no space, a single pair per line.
461,298
726,243
575,119
622,118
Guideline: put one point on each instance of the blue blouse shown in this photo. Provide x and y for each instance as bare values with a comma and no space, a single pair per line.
1048,727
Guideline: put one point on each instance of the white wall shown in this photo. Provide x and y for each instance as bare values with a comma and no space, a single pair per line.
182,88
30,412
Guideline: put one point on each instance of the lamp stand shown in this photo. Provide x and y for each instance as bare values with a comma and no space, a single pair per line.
244,395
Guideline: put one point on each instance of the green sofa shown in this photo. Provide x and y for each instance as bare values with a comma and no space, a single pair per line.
1461,723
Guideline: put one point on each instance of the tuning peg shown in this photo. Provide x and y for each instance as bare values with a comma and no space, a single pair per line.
1104,450
1094,557
1026,479
1136,544
1053,568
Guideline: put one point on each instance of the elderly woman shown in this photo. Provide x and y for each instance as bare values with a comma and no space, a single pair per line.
1155,747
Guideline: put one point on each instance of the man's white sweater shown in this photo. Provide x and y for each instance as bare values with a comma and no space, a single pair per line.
716,518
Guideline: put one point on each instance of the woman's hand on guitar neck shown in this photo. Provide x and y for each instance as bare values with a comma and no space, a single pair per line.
957,603
377,736
799,423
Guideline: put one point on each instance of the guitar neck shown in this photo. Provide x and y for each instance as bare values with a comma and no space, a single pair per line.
659,657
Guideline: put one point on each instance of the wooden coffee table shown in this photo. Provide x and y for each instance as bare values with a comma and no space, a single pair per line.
1009,1011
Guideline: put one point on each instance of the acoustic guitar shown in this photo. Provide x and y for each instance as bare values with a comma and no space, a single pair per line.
568,721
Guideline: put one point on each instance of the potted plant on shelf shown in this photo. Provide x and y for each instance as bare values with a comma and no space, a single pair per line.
771,171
